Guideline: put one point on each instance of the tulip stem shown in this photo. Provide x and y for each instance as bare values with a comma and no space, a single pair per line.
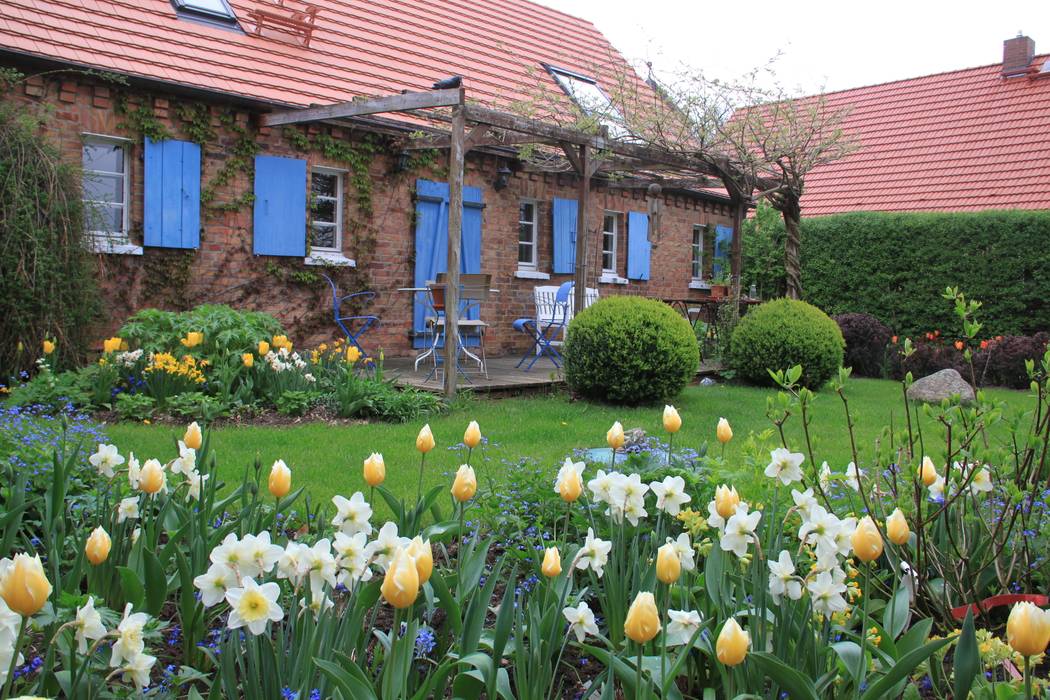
1027,678
419,485
459,555
638,687
670,448
18,646
861,666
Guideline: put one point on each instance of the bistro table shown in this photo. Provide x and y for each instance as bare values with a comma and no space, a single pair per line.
432,350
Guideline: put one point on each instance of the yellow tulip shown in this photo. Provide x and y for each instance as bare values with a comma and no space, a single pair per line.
264,347
726,500
193,339
465,485
672,421
1028,629
472,435
112,344
643,619
570,486
97,546
49,347
866,540
927,472
425,440
152,477
353,354
401,583
248,359
423,555
724,432
280,482
897,527
668,565
375,470
193,437
25,587
551,566
282,342
615,436
733,642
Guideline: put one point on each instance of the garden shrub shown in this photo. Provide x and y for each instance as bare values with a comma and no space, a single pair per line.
1002,361
630,350
137,407
781,334
866,340
226,331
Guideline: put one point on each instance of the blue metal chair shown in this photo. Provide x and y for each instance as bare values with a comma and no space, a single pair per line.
550,320
364,322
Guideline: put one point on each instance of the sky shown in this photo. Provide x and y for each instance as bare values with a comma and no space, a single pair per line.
823,45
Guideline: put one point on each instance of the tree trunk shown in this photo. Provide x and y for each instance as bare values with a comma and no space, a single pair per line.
792,214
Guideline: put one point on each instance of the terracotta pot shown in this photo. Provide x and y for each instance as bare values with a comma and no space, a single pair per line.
719,291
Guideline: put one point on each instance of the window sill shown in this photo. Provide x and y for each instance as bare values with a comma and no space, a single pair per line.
112,246
531,275
612,279
329,259
699,284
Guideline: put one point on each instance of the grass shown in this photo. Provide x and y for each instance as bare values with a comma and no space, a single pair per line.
327,459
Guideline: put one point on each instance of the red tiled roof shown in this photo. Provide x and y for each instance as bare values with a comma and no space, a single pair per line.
960,141
359,47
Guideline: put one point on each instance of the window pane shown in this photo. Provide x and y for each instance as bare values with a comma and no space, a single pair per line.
525,233
525,254
104,188
323,184
322,236
607,261
609,223
213,7
527,212
324,210
608,241
104,217
105,156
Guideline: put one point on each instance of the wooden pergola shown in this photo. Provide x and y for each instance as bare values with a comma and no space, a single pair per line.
587,154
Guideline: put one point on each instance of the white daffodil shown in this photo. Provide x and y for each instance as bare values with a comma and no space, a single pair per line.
352,561
981,482
128,509
785,465
106,459
826,594
352,515
819,528
232,554
187,460
318,564
594,554
601,486
843,533
316,604
88,625
581,621
825,477
261,552
714,518
670,494
853,476
782,579
137,668
682,627
804,501
740,530
194,480
129,642
684,549
288,563
633,510
133,471
214,583
381,550
937,489
10,623
253,606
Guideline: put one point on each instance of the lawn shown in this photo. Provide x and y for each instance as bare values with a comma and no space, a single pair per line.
327,459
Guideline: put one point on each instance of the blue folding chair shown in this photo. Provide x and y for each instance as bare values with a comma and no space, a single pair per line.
364,322
550,321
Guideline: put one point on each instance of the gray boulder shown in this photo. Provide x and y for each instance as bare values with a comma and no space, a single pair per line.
939,386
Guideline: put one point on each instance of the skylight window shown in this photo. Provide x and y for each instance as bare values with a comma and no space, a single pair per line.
213,10
590,98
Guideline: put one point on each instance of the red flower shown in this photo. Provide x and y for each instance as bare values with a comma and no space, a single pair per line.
893,340
959,345
984,345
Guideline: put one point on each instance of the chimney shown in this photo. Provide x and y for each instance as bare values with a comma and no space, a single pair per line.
1017,55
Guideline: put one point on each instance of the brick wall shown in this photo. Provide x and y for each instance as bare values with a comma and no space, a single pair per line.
224,270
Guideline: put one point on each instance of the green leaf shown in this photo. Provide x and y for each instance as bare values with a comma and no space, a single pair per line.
915,637
156,583
895,616
395,504
134,592
453,614
903,668
797,685
849,653
352,686
625,672
714,576
967,658
441,532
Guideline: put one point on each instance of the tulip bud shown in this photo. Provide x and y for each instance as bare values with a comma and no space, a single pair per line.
152,478
615,436
401,583
97,546
928,472
643,619
723,432
1028,629
668,565
193,437
672,421
726,500
24,586
866,540
425,440
353,354
111,344
733,642
465,485
280,482
375,470
570,486
248,359
472,435
49,347
551,566
897,527
423,555
264,347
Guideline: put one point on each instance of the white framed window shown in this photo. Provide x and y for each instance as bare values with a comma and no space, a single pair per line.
528,255
590,98
106,181
698,252
610,227
326,210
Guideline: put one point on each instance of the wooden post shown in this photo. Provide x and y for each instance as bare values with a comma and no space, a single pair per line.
735,260
455,236
580,291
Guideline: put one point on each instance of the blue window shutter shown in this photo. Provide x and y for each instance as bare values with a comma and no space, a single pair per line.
723,240
564,236
280,206
638,246
172,201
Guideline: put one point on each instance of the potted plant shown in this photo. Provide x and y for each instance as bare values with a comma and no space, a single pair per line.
720,282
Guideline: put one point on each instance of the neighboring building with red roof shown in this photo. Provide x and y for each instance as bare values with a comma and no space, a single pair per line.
255,213
967,140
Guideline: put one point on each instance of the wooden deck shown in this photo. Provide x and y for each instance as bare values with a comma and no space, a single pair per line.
503,375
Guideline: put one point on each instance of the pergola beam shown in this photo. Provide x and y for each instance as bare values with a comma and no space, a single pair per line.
358,108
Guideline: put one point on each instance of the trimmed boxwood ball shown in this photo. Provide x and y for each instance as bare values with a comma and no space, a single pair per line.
630,350
783,333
